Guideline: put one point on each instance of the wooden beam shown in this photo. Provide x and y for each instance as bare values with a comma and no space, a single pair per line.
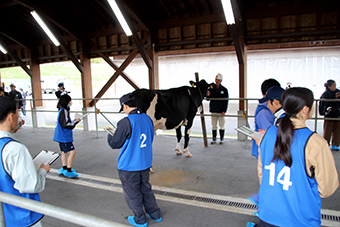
237,43
15,57
237,12
115,67
141,48
115,76
69,54
86,80
15,37
166,10
36,79
204,130
137,40
134,15
243,78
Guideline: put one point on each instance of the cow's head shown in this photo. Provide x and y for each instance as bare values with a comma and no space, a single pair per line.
202,86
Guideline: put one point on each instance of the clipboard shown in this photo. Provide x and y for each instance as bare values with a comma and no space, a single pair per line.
249,132
45,157
78,116
110,131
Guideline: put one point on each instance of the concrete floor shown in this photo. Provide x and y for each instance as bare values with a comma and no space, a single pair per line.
224,170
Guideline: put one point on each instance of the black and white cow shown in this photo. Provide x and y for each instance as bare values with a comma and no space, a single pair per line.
172,108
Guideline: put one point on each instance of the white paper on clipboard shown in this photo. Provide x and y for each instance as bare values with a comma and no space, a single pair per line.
249,132
45,157
109,130
79,116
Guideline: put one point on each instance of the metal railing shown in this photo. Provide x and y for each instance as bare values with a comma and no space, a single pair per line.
53,211
245,114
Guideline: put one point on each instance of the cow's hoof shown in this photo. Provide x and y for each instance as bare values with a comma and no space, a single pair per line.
178,152
189,155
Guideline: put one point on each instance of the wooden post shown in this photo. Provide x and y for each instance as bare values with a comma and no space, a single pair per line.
86,80
36,80
204,130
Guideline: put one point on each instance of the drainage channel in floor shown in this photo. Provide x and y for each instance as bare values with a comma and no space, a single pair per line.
227,203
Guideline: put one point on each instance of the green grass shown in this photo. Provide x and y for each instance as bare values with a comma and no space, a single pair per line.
100,71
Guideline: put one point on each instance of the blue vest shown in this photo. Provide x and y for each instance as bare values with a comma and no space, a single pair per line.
288,196
63,135
255,148
16,216
136,153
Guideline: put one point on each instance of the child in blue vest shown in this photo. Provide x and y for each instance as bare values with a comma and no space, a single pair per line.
296,167
263,119
63,134
134,135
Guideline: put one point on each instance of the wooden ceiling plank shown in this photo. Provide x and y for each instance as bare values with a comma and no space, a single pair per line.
90,13
178,9
77,9
198,6
100,12
207,5
187,7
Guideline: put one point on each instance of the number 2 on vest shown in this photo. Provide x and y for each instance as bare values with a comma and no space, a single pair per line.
143,138
285,173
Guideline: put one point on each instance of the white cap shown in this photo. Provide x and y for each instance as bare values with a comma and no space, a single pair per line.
219,76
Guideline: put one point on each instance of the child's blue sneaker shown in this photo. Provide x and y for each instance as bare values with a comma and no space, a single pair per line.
335,148
156,220
132,222
250,224
70,174
61,170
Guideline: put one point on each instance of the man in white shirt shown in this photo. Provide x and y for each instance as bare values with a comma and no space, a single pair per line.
18,175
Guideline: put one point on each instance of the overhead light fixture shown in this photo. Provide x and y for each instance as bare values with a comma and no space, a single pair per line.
44,27
3,50
120,17
228,12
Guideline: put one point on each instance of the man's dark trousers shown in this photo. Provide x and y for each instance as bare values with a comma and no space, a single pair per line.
138,193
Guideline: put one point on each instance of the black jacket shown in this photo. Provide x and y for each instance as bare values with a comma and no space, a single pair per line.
16,95
218,106
329,109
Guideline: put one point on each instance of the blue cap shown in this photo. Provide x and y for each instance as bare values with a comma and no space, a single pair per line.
274,92
124,99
